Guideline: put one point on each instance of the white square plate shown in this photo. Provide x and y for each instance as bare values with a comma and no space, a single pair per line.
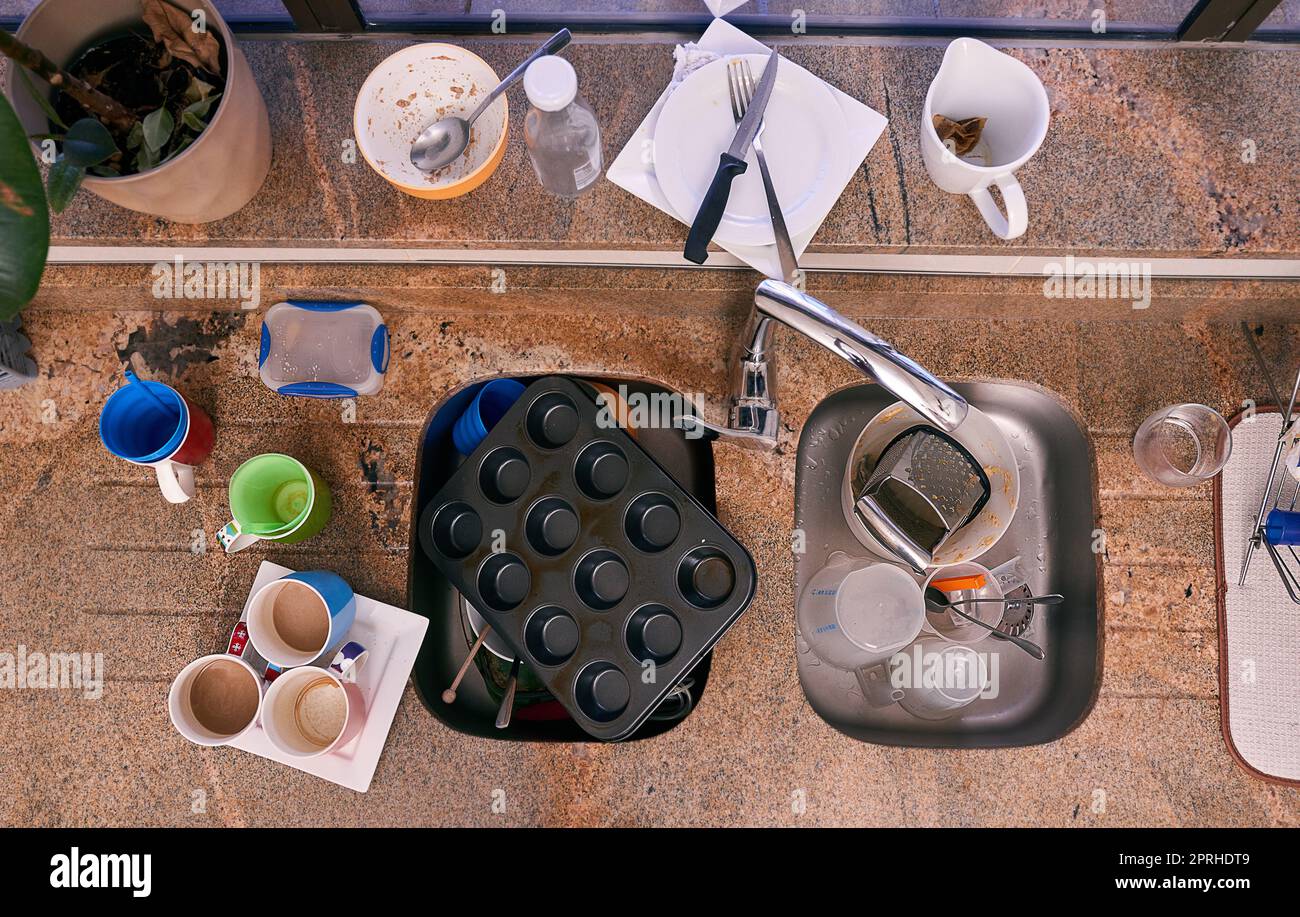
633,168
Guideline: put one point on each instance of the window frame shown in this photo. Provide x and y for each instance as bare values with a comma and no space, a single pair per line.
1207,20
1230,21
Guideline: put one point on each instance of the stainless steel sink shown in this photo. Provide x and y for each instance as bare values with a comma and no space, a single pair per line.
1051,533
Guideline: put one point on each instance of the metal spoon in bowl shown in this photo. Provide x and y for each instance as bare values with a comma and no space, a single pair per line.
938,596
443,141
942,604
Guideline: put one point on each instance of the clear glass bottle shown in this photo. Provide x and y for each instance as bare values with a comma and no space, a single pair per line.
560,129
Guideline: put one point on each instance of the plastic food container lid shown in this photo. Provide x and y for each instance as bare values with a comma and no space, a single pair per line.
323,349
879,608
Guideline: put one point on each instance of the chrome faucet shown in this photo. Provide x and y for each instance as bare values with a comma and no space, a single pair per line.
753,419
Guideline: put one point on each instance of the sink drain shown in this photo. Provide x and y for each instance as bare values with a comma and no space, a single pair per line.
1017,616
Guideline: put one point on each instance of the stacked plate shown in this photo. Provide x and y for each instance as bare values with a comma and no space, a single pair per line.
803,142
814,140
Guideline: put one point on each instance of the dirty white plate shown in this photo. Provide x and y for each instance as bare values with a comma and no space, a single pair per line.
806,143
393,637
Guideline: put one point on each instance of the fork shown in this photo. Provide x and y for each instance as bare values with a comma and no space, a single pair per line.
740,84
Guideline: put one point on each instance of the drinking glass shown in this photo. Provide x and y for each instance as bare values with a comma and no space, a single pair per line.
1182,445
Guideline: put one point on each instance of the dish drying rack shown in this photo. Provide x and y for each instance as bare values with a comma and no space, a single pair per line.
1282,491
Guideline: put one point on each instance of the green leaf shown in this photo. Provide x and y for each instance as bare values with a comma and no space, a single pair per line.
88,143
203,106
135,137
41,99
145,159
24,219
62,183
197,90
192,121
105,171
158,127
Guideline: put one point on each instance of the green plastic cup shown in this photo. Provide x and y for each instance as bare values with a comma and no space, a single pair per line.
274,497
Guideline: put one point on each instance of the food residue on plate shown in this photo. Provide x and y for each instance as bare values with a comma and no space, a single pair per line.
1006,481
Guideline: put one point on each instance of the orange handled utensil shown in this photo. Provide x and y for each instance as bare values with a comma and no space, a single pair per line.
960,583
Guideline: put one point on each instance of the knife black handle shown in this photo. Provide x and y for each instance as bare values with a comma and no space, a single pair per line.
712,208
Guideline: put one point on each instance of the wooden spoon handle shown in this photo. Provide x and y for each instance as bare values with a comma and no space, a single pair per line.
449,696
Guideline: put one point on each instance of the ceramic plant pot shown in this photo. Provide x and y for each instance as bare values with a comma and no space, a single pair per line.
212,178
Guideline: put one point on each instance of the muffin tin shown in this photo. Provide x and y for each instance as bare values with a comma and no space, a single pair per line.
608,578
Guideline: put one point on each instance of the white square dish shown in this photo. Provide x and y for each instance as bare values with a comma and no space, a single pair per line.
392,637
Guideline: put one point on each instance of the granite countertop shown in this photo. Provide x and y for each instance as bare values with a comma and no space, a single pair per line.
98,562
1144,156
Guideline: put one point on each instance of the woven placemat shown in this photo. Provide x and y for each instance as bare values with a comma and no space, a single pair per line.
1259,625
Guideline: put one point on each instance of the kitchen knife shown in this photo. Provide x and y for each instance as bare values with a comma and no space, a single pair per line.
731,164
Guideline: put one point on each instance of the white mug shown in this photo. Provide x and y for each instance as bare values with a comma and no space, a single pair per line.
283,709
978,81
960,675
181,711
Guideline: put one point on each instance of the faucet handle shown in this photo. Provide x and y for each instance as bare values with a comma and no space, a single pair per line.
761,438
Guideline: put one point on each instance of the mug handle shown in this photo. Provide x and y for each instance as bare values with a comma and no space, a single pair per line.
1016,221
349,660
876,685
233,540
175,480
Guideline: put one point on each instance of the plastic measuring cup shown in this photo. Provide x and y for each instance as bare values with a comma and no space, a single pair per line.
274,497
952,626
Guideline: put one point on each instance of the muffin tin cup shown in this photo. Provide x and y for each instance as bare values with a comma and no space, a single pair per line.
612,581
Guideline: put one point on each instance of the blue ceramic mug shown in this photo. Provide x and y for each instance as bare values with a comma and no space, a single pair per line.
297,618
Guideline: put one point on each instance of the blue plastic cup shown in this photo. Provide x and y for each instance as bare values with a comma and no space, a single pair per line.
484,412
149,423
144,422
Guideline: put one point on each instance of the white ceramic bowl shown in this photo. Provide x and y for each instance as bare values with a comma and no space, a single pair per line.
412,89
984,440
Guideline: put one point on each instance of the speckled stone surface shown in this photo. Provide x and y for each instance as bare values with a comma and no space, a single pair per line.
98,562
1144,156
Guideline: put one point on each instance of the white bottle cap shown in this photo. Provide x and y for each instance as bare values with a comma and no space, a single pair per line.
551,83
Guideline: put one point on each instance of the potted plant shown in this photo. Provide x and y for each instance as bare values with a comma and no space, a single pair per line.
25,229
148,103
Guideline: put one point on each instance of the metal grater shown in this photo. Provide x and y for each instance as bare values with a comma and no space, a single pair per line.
925,486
